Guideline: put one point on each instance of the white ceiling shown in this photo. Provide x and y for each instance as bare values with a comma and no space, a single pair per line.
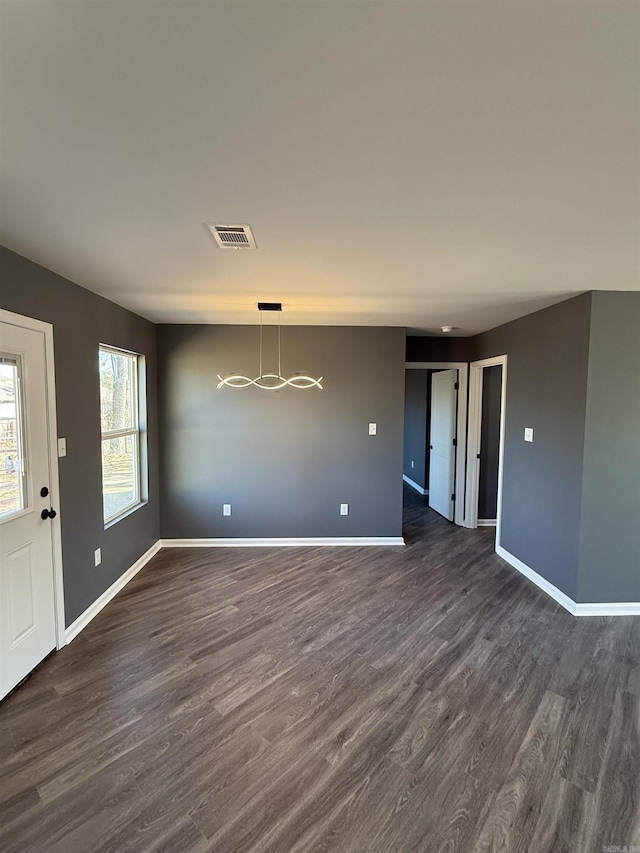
401,163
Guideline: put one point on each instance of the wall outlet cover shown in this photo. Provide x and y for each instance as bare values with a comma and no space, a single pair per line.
226,509
373,429
528,433
62,447
344,509
97,556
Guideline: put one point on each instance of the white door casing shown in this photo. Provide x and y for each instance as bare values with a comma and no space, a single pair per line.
442,457
473,440
30,618
461,432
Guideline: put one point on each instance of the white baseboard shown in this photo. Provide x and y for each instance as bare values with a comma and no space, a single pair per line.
414,485
605,608
92,611
555,593
303,542
613,608
486,522
576,609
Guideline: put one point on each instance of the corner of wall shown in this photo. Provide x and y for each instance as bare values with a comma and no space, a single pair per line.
609,548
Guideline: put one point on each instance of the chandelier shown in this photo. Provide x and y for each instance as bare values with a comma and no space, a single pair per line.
270,381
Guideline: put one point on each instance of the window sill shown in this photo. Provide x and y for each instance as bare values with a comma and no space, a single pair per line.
127,512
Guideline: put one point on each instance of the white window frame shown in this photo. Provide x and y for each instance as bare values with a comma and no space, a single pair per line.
133,431
25,487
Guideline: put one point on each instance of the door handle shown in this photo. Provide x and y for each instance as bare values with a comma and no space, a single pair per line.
44,491
48,513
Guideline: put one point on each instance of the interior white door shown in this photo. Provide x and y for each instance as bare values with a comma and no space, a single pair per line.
442,454
27,602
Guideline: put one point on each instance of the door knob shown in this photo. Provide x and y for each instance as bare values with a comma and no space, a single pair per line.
44,491
48,513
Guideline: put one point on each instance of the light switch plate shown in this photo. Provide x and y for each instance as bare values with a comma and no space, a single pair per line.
226,509
528,433
373,429
344,509
62,447
97,556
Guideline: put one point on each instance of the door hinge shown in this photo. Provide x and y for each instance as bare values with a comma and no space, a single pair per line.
456,386
455,442
453,497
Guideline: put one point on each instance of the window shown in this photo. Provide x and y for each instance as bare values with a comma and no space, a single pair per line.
120,421
13,497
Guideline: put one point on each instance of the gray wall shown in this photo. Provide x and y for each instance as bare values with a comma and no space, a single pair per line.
285,460
489,442
81,320
610,531
546,389
416,405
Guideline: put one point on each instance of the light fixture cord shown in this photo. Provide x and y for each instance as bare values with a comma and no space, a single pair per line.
279,365
260,374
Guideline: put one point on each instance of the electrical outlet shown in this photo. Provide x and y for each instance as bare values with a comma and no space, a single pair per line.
344,509
528,433
62,447
226,509
97,556
373,429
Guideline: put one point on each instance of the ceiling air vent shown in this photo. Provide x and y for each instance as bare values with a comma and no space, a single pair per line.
233,236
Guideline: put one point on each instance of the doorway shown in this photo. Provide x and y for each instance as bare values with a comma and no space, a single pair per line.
487,410
31,595
445,479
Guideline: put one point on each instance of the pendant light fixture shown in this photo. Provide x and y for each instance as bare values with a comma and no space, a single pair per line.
270,381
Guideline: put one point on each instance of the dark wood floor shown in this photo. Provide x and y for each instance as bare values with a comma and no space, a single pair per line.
424,698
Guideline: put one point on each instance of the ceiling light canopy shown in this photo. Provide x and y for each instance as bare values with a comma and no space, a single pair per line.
270,381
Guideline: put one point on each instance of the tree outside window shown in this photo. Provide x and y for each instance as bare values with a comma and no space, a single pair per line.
119,416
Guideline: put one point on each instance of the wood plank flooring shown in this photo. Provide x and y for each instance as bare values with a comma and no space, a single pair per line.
425,698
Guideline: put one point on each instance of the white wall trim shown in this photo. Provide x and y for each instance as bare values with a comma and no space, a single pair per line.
542,583
473,439
100,603
606,608
414,485
31,323
461,426
302,542
92,611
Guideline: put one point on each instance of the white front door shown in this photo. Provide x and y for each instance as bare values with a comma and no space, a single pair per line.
442,456
27,601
